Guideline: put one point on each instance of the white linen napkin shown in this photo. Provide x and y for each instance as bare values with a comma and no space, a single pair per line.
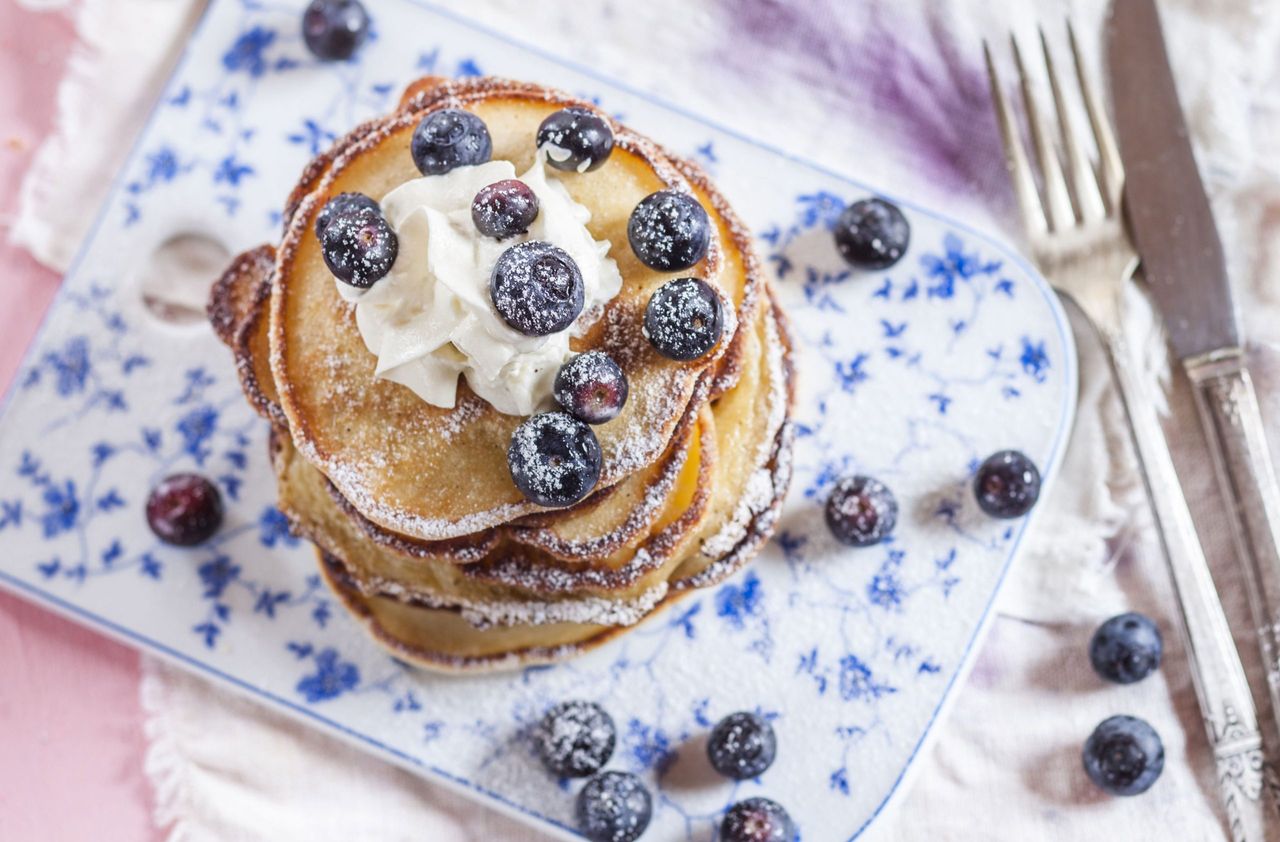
898,87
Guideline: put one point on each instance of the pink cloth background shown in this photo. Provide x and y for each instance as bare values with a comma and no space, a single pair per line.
70,717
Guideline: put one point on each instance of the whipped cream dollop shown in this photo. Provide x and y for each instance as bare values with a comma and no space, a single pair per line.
431,318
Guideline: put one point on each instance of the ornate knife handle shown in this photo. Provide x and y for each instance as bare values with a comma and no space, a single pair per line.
1230,719
1229,413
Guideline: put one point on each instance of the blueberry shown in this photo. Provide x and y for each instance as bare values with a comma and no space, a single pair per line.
554,459
450,138
669,231
342,203
861,511
614,807
536,288
591,387
742,745
757,820
872,234
1126,648
359,246
575,139
575,739
1007,484
1124,756
504,209
684,319
334,29
184,509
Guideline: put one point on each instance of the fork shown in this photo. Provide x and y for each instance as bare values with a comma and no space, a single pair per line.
1077,236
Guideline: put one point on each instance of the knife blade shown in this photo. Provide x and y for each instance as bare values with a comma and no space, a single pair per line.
1168,209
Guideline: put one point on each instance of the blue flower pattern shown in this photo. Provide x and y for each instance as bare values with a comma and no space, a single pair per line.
841,635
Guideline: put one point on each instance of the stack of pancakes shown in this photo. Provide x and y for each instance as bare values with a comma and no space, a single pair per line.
420,530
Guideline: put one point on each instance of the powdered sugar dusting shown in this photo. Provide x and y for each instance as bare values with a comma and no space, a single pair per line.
483,614
575,738
759,492
596,611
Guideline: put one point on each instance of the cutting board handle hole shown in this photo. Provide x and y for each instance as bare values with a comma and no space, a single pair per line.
174,280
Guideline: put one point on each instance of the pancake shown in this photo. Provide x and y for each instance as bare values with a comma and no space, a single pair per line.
388,452
421,532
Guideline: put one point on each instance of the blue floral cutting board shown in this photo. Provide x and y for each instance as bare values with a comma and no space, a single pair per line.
912,375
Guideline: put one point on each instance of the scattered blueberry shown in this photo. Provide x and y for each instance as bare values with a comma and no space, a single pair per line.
575,139
184,509
575,739
1007,484
554,459
334,29
591,387
861,511
537,288
359,246
450,138
1126,648
757,820
872,234
1124,756
742,745
504,209
684,319
669,231
614,807
342,203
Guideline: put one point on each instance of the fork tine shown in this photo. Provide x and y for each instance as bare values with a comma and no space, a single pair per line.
1111,175
1090,205
1057,200
1024,185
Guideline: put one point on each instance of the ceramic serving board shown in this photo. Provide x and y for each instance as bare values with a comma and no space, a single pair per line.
911,374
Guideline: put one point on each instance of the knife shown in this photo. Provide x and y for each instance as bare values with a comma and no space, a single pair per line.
1183,262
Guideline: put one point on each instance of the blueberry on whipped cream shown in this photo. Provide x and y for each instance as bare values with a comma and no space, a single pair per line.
575,140
669,231
504,209
872,234
554,459
450,138
536,288
359,246
684,319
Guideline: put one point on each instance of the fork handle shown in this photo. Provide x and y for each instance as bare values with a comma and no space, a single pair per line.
1232,422
1226,704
